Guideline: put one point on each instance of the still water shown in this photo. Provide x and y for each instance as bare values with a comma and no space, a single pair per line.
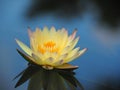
98,67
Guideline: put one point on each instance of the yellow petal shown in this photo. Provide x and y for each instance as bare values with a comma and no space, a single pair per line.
45,32
73,43
82,51
78,54
71,54
59,62
52,30
24,47
27,57
38,60
66,66
64,38
70,46
49,61
30,33
71,37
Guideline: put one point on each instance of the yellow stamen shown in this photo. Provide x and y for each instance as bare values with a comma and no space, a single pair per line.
48,47
49,44
41,50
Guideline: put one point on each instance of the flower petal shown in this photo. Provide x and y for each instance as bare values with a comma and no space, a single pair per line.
49,61
52,30
27,57
24,47
78,54
30,33
71,37
66,66
38,60
59,62
71,54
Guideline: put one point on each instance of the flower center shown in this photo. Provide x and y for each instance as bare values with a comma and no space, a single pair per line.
49,46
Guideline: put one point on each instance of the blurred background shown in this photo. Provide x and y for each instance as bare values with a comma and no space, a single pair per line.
98,24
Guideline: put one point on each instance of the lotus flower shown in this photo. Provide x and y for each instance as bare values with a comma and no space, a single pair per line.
51,48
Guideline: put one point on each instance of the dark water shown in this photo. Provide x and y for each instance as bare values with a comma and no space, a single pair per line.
98,24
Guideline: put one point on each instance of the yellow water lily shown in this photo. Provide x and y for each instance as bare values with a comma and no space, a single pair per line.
52,48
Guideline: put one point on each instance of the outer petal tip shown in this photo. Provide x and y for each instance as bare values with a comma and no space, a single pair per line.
17,41
82,51
75,31
24,47
73,34
52,28
45,27
29,32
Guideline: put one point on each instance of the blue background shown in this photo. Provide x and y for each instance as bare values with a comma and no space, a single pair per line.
99,63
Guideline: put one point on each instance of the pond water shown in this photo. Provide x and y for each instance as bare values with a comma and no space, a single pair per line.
97,27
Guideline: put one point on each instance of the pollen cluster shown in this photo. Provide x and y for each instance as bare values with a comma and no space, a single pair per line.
49,46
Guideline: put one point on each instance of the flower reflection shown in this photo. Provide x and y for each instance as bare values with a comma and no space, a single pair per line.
42,79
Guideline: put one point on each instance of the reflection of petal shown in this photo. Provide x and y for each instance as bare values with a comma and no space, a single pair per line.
19,75
36,80
26,74
46,80
42,79
68,76
70,80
